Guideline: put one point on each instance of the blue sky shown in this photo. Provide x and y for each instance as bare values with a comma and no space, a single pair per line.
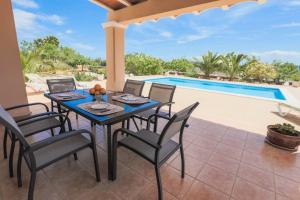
269,31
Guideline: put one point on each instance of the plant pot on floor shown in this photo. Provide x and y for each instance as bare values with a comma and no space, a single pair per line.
283,137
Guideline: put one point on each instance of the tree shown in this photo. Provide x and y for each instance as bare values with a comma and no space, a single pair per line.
209,63
40,42
181,65
233,64
141,64
260,71
285,70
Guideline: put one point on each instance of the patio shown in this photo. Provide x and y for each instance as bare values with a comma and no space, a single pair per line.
223,160
226,156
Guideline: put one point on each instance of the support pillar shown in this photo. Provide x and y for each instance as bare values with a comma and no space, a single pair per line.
12,86
115,56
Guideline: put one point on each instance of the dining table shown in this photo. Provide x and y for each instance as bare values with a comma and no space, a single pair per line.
128,110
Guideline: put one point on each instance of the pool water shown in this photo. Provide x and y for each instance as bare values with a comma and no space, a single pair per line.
233,88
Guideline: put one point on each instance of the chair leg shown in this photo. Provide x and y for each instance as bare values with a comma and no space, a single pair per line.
96,163
75,156
11,157
31,185
155,125
52,132
5,143
158,180
182,162
19,167
76,116
135,124
128,123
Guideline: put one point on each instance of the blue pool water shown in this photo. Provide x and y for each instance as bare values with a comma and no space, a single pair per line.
264,92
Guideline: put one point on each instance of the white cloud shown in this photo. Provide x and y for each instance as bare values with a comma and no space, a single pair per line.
292,56
26,3
239,11
201,32
287,25
69,31
83,46
30,24
166,34
293,3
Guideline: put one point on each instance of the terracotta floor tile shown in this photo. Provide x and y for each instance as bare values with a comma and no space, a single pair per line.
202,191
217,178
223,162
231,140
279,197
205,143
173,183
229,151
257,176
192,166
287,188
150,192
244,190
198,152
260,160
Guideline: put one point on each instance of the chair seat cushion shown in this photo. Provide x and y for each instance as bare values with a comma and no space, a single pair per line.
39,126
146,114
60,149
146,150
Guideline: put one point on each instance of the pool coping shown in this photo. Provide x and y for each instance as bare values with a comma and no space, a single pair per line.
289,97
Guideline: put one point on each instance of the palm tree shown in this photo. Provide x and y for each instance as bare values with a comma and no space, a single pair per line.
27,59
233,64
209,63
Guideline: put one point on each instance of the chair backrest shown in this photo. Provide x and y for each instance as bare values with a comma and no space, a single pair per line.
61,85
176,124
7,120
134,87
162,92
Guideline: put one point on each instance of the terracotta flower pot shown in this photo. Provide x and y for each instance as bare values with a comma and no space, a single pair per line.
282,141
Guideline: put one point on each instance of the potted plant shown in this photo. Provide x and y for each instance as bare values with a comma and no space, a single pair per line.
283,136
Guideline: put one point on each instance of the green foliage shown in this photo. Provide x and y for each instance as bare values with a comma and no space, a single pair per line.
233,64
286,71
180,65
141,64
286,129
209,63
84,77
260,71
46,55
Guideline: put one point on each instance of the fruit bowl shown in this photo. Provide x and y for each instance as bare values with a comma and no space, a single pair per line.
97,90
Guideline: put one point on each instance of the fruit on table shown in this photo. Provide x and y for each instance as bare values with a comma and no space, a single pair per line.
97,90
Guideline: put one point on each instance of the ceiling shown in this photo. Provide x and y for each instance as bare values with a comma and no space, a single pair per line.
117,4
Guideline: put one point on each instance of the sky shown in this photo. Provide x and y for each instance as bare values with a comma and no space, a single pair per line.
270,31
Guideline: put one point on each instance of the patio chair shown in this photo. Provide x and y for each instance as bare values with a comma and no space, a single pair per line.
43,153
164,94
31,125
154,147
134,87
289,106
60,85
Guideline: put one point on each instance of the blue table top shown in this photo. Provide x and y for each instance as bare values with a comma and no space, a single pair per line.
128,111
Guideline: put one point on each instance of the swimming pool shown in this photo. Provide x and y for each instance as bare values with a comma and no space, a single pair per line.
231,88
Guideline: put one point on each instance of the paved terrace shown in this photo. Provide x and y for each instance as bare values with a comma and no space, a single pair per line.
226,158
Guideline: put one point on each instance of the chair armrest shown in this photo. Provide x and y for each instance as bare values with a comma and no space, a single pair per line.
41,117
41,144
162,105
152,116
35,116
28,105
135,135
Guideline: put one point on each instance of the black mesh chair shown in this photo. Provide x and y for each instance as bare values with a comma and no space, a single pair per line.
154,147
30,125
58,86
43,153
164,94
133,87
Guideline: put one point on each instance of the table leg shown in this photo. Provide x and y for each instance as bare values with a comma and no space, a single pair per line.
109,153
61,118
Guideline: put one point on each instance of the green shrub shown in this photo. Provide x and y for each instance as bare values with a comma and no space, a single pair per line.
84,77
180,65
260,71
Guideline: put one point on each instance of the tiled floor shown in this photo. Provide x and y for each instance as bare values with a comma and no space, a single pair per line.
222,162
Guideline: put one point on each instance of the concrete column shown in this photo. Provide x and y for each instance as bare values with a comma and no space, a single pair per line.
12,86
115,58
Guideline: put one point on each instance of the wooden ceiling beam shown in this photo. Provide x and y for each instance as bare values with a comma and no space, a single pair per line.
98,3
156,9
125,2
